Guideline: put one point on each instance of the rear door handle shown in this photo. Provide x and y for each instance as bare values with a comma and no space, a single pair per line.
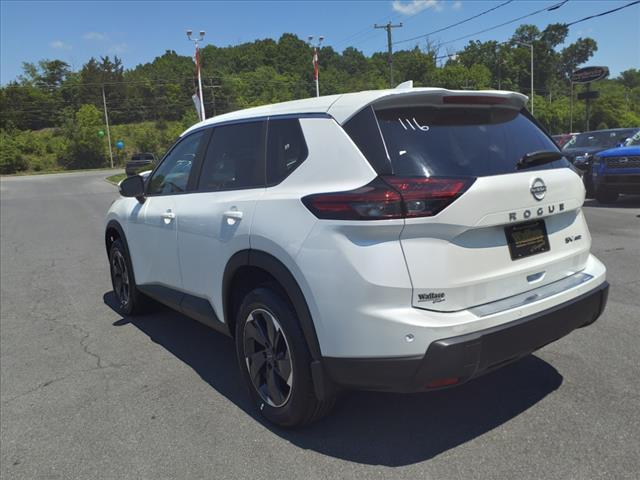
168,216
232,216
235,214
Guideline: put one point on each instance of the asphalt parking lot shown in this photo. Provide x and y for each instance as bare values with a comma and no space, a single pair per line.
87,394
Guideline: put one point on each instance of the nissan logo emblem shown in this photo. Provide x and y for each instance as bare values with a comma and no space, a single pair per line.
538,189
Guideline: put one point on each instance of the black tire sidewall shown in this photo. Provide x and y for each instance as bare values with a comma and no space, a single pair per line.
302,401
129,307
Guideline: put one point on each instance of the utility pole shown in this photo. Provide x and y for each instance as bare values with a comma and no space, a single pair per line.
316,65
388,28
106,121
213,95
197,59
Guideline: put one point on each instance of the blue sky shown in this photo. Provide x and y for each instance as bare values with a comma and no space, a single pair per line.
138,31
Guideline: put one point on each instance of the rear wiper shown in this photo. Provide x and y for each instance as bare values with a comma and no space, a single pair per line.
540,157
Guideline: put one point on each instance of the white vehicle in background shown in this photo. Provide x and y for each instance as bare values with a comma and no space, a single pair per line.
396,240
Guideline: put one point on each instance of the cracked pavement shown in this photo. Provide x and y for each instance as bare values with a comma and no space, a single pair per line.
87,394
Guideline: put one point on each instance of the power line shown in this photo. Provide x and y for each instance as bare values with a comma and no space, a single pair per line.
552,7
454,24
440,57
603,13
366,33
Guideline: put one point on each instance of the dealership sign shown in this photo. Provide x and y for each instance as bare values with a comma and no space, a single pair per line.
589,74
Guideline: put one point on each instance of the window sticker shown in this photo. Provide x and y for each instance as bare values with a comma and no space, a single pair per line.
424,128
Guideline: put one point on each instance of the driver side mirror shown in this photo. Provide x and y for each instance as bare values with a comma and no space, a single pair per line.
133,187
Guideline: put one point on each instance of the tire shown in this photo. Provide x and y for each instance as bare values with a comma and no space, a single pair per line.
129,300
606,196
275,362
588,186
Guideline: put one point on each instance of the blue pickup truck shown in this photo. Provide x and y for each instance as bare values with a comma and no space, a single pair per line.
617,171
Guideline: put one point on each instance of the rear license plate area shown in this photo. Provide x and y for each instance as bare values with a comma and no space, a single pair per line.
526,239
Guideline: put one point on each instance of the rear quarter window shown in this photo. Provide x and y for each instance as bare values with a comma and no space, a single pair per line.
460,141
286,149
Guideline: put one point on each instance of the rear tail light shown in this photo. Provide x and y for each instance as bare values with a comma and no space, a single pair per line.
375,201
428,196
389,198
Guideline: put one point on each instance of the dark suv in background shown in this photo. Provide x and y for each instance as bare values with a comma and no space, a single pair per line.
581,149
140,162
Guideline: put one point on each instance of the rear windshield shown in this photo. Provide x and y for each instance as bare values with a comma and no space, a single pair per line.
428,141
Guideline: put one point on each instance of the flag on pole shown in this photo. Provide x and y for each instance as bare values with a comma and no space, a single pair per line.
196,59
198,97
196,102
315,64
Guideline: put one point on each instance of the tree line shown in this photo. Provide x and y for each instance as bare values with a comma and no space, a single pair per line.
50,116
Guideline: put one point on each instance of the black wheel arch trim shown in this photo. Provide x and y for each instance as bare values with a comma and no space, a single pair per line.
274,267
114,224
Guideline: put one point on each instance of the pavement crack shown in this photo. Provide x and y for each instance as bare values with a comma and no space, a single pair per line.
60,379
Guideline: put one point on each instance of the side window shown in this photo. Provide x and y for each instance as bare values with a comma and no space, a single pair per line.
173,173
235,158
286,149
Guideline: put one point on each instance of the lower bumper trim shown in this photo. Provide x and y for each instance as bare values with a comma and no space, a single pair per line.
468,356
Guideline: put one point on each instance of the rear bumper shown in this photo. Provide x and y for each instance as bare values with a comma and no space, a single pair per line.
468,356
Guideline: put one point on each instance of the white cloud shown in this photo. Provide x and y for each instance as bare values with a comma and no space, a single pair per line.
457,5
60,45
416,6
94,36
118,48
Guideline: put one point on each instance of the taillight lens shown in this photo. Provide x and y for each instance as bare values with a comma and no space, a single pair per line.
389,198
375,201
428,196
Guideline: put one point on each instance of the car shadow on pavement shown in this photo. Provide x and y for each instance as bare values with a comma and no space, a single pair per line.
365,427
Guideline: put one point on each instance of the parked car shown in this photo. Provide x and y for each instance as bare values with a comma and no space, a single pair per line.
581,149
139,162
563,138
617,171
399,240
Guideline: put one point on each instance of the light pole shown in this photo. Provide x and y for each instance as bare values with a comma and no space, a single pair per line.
196,41
315,61
530,45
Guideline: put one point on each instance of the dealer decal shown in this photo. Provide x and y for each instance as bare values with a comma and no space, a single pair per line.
433,297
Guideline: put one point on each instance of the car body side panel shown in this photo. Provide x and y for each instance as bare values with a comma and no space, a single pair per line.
208,238
282,223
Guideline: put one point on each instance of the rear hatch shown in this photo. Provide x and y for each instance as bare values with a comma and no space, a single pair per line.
490,230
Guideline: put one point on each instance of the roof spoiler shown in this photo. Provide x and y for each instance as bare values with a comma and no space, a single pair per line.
405,85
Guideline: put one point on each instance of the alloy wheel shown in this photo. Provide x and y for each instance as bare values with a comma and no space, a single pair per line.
268,357
120,277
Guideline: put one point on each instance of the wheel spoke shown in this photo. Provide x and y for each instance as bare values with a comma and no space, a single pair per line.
256,365
271,329
273,388
253,331
283,369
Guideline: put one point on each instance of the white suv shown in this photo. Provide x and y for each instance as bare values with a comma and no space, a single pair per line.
397,240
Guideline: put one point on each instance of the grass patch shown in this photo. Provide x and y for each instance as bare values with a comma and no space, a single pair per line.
117,178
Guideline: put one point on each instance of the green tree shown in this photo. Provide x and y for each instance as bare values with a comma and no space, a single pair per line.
12,160
86,149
